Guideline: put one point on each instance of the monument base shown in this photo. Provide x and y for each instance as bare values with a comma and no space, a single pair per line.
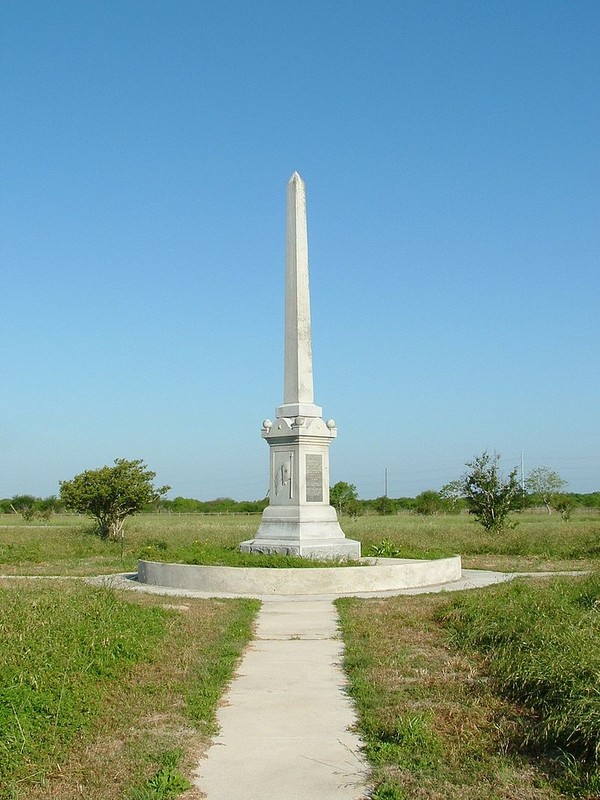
308,531
321,549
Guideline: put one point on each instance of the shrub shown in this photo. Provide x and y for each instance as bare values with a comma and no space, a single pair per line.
491,497
429,503
110,494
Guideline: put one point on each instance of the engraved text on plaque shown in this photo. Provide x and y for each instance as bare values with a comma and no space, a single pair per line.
314,478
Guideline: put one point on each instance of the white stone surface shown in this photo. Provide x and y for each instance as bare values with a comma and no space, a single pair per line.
469,579
298,373
299,514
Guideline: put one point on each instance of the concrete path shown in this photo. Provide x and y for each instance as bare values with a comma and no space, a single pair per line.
284,724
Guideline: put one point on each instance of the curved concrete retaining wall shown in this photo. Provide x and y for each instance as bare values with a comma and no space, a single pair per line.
383,574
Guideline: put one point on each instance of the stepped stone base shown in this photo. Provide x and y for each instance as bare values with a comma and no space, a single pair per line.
312,532
327,549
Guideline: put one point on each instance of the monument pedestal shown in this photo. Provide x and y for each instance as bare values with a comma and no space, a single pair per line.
312,532
299,519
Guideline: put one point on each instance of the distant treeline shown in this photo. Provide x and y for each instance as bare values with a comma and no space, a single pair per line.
429,502
187,505
30,506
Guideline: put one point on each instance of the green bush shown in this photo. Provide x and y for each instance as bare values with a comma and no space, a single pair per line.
385,549
429,503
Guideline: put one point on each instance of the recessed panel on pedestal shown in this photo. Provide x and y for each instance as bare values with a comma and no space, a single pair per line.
283,475
314,478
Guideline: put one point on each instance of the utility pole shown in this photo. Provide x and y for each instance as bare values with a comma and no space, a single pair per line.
385,484
522,473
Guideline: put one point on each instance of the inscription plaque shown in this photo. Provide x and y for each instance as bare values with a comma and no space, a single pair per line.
314,478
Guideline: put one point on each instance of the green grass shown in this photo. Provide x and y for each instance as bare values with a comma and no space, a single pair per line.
68,548
538,542
432,724
494,693
95,684
437,721
230,556
68,545
56,654
541,645
166,783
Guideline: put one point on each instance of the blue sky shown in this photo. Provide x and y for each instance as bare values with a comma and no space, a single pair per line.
451,156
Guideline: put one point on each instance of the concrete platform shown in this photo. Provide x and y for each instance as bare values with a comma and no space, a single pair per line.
378,574
469,579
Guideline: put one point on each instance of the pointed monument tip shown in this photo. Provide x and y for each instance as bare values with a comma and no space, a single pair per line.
295,177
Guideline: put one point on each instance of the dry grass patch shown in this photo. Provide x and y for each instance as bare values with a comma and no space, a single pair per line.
433,727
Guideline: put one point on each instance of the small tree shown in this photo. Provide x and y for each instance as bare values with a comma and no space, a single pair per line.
340,495
110,494
25,505
547,484
384,505
428,503
453,494
490,497
354,508
564,504
49,506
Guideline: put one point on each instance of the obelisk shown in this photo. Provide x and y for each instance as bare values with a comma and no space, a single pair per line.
299,519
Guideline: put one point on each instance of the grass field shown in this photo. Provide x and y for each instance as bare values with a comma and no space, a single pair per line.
491,695
106,694
441,709
68,546
432,726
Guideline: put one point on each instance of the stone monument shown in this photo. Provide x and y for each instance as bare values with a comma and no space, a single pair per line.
299,519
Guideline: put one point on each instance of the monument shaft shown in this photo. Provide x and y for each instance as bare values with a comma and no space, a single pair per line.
298,392
299,519
298,377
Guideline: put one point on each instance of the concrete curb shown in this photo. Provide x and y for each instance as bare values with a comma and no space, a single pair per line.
377,575
470,579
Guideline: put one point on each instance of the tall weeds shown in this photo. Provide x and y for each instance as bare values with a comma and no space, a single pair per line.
541,646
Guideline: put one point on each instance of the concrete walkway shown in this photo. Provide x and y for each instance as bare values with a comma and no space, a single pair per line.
286,721
284,724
